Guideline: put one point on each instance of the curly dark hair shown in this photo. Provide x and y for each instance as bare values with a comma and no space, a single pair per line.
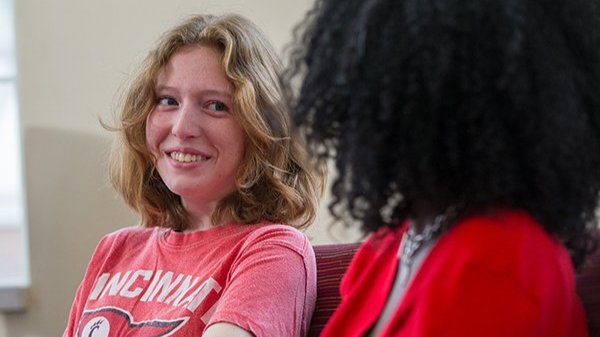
468,103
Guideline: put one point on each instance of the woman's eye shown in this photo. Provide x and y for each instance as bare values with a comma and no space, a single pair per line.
166,101
217,106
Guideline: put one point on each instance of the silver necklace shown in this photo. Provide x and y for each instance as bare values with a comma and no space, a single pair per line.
413,241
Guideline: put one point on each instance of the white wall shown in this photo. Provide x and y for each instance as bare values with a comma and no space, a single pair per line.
73,55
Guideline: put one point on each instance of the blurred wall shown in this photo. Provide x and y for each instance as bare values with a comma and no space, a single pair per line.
73,55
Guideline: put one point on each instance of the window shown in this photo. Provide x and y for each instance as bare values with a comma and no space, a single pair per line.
14,273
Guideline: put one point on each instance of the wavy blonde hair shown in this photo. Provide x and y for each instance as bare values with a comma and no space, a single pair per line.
276,182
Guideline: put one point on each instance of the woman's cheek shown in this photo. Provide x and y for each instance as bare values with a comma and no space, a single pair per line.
153,131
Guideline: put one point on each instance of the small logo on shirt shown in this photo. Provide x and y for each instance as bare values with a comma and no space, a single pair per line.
98,323
97,327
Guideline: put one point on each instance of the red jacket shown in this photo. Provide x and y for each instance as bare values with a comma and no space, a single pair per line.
497,275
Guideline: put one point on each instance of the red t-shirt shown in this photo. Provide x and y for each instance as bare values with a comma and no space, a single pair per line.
157,282
498,275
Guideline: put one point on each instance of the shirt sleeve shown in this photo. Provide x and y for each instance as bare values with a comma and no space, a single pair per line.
85,286
271,288
74,313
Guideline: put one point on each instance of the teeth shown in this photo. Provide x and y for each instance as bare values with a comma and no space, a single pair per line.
186,157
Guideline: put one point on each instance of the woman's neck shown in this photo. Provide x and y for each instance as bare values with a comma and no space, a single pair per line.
201,216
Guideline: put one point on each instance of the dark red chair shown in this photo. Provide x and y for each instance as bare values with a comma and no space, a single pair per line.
332,262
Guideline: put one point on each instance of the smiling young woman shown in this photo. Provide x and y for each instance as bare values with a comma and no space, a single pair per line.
207,157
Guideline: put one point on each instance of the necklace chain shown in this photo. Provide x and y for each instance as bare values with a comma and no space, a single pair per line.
413,241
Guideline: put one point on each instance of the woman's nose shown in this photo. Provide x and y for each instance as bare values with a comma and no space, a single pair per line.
186,123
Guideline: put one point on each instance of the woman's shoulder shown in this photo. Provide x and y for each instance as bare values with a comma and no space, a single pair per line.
384,239
131,235
503,227
505,240
278,234
121,242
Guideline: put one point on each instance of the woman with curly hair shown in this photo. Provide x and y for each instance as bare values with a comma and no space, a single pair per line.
466,139
206,155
